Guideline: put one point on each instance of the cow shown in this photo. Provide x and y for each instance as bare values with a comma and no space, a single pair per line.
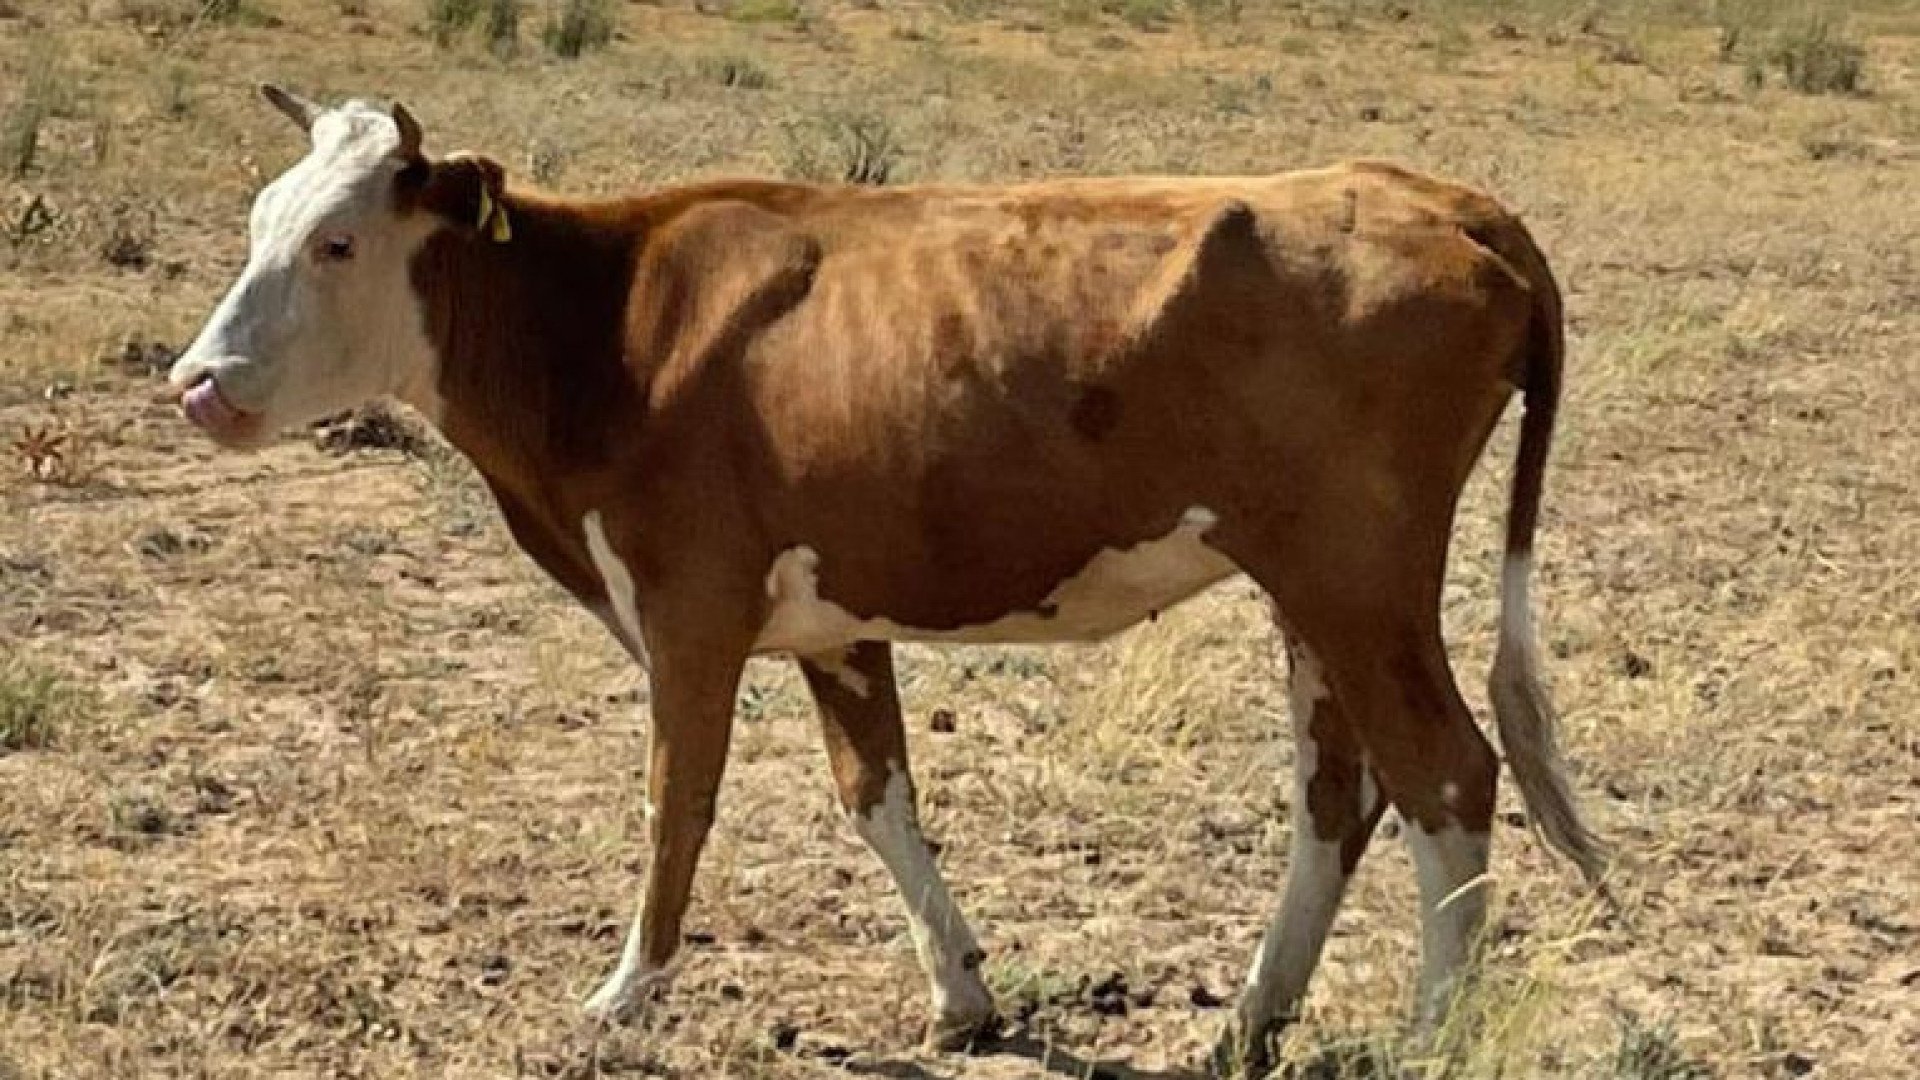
743,418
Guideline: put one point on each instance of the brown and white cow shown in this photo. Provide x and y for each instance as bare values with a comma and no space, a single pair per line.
745,418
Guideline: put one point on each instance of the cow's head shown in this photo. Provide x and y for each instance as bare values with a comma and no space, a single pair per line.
325,315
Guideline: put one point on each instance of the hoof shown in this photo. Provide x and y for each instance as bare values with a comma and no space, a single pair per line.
1245,1052
624,996
956,1034
609,1006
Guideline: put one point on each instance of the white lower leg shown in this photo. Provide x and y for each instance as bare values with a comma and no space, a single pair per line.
948,952
1291,947
1452,867
632,980
1316,872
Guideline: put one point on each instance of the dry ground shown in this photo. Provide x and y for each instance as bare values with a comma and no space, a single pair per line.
305,772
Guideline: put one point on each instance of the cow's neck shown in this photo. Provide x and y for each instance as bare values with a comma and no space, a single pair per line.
528,334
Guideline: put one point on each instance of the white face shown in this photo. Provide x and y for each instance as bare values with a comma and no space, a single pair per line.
324,316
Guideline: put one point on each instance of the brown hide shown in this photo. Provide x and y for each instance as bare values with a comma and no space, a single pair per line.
957,397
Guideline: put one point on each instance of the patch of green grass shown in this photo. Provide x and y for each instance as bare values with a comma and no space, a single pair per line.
578,26
739,72
1817,57
503,26
1076,12
35,707
448,19
1652,1052
765,11
43,94
139,813
1811,49
1216,11
1022,987
174,90
851,147
1834,146
1143,14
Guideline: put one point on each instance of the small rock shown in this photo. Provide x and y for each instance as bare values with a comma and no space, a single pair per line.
1635,666
370,427
161,542
1108,997
212,796
784,1036
142,357
494,970
942,722
1203,998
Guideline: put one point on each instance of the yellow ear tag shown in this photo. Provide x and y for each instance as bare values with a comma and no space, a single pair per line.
493,218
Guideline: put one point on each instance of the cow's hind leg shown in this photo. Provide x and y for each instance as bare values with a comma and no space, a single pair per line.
860,717
1336,804
1440,773
1368,609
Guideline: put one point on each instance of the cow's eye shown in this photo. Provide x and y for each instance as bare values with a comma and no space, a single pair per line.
336,249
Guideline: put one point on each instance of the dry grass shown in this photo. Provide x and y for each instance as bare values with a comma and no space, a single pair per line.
346,789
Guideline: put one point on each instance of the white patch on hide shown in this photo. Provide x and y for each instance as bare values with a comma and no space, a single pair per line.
1117,588
835,664
619,581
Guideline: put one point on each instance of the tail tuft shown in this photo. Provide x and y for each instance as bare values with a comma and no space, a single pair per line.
1527,729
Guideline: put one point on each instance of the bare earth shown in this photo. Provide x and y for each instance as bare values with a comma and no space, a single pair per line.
326,780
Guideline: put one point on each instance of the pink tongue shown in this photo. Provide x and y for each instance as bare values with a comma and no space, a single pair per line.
204,406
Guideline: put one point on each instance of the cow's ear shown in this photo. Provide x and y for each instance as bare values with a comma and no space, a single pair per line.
466,190
408,148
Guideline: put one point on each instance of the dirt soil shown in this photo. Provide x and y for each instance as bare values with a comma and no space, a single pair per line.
305,771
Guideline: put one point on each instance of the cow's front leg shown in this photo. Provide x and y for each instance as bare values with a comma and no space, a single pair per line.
860,717
693,693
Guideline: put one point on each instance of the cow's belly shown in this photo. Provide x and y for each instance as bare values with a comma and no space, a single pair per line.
1114,590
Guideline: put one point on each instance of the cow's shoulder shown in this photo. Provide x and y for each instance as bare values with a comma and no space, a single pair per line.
710,276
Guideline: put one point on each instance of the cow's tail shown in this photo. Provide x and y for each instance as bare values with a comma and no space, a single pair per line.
1520,705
